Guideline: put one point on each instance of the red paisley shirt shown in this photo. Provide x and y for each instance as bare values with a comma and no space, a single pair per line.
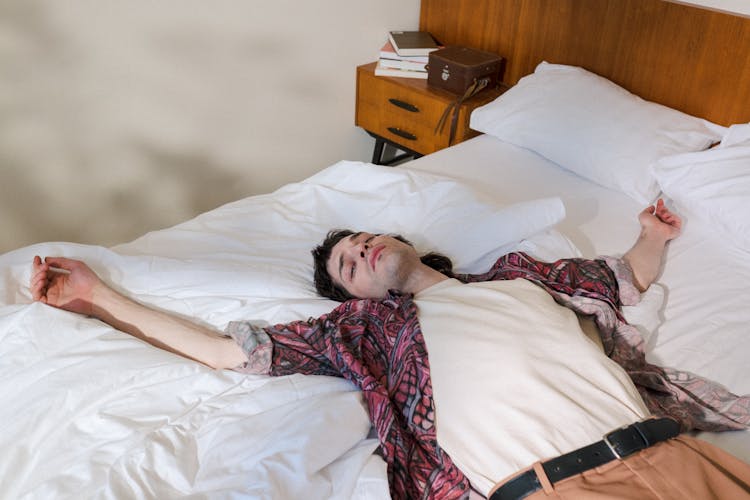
378,346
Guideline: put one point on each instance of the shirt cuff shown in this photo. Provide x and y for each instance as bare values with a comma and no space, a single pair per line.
629,293
255,343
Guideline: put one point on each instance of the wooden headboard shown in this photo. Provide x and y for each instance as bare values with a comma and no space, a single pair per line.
692,59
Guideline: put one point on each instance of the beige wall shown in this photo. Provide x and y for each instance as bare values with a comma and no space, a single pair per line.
121,117
731,6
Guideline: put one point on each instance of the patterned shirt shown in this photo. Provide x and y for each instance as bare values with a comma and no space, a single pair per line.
378,346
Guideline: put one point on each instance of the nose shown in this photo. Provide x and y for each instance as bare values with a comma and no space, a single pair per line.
363,250
357,250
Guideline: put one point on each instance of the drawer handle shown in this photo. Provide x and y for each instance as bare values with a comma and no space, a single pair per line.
404,105
401,133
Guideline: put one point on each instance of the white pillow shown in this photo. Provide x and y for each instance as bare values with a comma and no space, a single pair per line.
263,242
589,125
736,134
435,213
251,258
713,185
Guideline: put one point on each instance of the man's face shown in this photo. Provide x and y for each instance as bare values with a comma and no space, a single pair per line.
368,265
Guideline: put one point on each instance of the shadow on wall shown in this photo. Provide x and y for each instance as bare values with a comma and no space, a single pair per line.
114,209
120,118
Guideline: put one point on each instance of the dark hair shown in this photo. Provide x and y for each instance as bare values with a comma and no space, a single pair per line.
324,283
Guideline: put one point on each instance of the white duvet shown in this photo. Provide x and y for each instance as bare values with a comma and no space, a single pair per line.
89,412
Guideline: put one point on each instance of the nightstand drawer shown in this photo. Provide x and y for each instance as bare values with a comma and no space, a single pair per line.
394,99
416,134
397,113
405,111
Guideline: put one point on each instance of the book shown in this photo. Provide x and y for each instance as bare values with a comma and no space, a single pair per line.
381,70
388,52
401,64
412,43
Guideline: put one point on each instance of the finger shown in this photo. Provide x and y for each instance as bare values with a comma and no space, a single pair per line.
61,262
669,217
39,270
58,261
670,221
38,286
37,264
664,213
38,276
673,221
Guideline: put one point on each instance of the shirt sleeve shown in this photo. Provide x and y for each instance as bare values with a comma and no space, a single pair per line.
305,347
255,343
573,277
629,293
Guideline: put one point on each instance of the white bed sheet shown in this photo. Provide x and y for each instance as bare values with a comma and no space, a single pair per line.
704,318
90,412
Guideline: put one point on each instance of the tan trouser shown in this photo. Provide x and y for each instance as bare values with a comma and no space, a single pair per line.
683,468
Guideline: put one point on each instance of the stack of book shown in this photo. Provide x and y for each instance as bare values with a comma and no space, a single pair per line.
405,54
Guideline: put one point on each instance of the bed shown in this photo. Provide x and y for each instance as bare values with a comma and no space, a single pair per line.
89,412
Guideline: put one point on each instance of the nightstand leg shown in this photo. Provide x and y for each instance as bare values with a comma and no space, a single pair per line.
377,152
380,152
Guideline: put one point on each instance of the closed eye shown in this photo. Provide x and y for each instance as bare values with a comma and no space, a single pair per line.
351,238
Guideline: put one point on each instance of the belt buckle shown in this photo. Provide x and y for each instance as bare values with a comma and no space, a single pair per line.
625,427
610,445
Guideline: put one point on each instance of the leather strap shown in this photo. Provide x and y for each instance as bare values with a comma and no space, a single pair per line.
455,106
617,444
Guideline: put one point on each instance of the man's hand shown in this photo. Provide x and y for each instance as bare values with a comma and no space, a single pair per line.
658,226
64,283
71,285
660,221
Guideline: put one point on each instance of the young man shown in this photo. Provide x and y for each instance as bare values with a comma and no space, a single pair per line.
510,381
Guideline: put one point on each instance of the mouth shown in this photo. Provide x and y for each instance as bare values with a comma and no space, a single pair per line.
375,255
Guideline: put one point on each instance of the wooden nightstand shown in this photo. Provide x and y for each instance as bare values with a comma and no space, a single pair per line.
404,112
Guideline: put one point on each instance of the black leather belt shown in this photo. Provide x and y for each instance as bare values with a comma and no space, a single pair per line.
616,444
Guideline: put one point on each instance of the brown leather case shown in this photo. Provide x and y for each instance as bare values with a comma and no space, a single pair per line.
456,68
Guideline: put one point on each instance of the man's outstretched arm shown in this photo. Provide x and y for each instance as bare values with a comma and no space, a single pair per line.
658,226
71,285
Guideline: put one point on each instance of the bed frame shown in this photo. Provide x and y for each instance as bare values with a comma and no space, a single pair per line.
689,58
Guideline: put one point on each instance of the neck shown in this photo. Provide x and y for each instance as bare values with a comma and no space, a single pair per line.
422,278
